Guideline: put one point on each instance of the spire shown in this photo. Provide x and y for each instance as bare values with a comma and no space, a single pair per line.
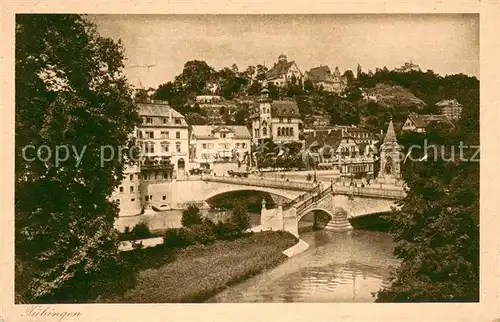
390,135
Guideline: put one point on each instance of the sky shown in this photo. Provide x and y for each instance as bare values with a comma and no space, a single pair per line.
448,44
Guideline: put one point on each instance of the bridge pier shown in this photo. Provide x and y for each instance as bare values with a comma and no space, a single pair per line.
339,222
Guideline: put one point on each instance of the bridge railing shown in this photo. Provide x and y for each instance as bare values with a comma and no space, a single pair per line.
370,192
302,186
313,199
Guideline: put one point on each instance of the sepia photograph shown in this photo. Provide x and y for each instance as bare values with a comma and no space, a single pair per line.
165,159
246,158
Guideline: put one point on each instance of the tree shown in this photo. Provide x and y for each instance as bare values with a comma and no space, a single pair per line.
166,92
261,72
195,76
240,218
437,227
242,114
70,91
191,216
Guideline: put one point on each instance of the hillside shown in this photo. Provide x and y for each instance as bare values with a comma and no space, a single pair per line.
392,96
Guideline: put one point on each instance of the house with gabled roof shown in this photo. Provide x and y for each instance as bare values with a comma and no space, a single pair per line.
323,77
283,72
223,143
419,123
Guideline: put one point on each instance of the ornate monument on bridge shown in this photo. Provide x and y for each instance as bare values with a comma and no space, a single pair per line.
390,170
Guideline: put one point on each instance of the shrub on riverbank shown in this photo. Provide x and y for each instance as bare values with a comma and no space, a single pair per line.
139,231
197,272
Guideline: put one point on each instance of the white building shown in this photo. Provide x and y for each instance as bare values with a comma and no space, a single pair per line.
283,72
276,120
224,143
164,133
128,194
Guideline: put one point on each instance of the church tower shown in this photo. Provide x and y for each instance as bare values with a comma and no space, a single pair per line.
390,169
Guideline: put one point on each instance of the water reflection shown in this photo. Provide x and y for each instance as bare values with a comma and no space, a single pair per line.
338,267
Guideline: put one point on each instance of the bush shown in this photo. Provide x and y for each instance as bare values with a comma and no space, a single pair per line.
177,237
191,216
227,230
240,218
202,234
141,230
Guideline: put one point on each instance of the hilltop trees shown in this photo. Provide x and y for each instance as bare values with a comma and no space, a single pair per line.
70,91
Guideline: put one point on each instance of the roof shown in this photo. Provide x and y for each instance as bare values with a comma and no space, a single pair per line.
157,110
162,110
280,68
318,74
284,109
390,135
448,102
320,139
421,121
208,131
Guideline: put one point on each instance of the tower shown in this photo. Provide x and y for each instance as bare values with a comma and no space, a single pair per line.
261,124
390,170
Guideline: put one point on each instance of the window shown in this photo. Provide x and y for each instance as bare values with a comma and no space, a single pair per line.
279,131
264,131
237,145
177,135
121,189
204,146
281,120
146,198
149,134
178,146
289,120
131,189
291,131
164,120
139,134
150,147
165,175
150,197
244,145
165,146
132,200
177,121
164,197
210,145
223,135
149,120
164,134
131,177
118,201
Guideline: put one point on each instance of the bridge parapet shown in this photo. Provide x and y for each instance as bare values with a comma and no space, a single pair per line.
258,182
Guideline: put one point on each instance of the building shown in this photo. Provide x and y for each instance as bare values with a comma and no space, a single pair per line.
419,123
336,149
128,194
451,109
283,72
276,120
225,143
390,166
408,67
322,77
164,135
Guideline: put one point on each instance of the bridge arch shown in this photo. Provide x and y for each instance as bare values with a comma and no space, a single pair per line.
329,212
233,188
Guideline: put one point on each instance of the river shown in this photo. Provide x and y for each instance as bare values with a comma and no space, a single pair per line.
337,267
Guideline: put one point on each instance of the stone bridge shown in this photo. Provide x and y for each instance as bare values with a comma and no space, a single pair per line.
339,202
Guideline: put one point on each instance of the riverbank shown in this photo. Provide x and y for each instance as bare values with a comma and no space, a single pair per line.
196,273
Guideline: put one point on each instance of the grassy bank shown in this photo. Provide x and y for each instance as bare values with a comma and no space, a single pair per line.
195,273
